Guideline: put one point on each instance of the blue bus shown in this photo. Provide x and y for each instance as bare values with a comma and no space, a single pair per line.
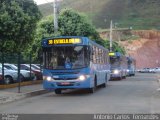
131,66
119,65
74,62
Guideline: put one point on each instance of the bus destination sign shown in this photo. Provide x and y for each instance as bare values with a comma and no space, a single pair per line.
111,54
58,41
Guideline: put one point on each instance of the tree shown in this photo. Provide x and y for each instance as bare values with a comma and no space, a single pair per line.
115,46
18,20
75,24
70,23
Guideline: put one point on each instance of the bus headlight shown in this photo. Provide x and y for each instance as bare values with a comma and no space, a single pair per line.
48,78
116,71
83,77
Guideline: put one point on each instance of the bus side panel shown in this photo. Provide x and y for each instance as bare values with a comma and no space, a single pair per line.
101,72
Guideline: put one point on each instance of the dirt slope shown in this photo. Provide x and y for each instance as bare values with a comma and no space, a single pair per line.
145,50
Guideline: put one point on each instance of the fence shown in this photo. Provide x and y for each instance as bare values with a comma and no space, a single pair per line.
18,59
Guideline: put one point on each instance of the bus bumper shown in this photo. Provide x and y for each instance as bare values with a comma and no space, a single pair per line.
115,76
51,85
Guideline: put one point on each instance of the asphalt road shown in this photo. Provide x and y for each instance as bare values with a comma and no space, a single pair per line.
136,94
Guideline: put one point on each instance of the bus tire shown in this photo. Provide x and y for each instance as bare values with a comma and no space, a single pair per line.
120,78
92,90
105,84
58,91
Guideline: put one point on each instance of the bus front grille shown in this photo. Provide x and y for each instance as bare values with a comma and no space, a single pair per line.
65,73
66,78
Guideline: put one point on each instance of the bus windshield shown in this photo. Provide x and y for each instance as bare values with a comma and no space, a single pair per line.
115,63
66,57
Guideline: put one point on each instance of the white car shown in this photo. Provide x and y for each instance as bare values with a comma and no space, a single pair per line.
10,76
25,73
147,70
157,69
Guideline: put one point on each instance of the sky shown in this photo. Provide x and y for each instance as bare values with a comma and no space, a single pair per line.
42,1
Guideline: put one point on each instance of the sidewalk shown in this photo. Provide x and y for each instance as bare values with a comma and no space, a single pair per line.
11,94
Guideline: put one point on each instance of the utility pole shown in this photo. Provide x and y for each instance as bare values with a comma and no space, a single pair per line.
55,16
110,36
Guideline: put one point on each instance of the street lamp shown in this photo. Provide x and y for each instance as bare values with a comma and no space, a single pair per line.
55,16
110,39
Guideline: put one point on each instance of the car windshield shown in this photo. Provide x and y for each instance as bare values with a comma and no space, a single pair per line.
28,67
35,67
66,57
14,67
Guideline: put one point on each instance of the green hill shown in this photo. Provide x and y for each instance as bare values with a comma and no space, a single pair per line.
138,14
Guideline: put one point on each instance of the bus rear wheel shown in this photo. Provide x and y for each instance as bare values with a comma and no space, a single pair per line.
105,84
58,91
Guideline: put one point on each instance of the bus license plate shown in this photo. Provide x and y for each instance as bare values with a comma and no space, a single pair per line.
65,83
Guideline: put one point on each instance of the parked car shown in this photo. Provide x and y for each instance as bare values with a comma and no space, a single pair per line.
25,73
152,70
35,66
10,76
147,70
37,73
157,69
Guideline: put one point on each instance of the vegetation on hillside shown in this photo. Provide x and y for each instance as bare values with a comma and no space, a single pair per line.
138,14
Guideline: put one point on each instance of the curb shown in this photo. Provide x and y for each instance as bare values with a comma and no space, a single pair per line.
35,93
19,96
22,84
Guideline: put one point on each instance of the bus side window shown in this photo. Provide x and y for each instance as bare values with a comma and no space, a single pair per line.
94,54
97,55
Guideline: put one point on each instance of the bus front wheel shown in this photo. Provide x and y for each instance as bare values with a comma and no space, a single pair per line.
58,91
92,90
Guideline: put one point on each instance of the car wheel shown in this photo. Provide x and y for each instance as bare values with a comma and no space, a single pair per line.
35,78
8,80
22,78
